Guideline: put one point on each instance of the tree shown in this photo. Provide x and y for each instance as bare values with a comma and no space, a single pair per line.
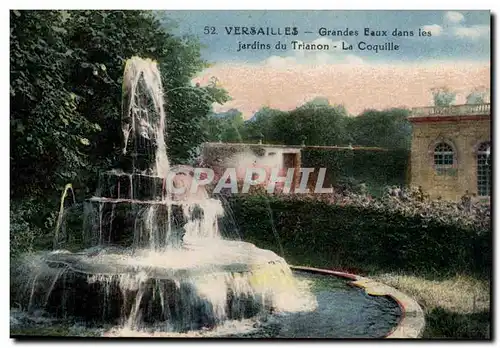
48,133
226,126
443,96
319,124
267,122
66,91
477,96
109,38
318,101
388,129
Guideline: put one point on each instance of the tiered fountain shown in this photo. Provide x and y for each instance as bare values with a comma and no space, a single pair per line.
154,258
154,262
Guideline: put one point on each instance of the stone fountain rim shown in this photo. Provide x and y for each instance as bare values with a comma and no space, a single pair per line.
411,324
63,259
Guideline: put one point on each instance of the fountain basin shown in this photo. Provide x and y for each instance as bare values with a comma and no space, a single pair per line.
194,258
200,285
411,319
347,306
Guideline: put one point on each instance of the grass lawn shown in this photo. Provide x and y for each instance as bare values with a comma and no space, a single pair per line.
455,306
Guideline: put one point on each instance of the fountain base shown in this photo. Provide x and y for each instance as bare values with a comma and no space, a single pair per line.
200,285
101,300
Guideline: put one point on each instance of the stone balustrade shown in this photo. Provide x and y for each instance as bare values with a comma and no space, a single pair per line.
452,110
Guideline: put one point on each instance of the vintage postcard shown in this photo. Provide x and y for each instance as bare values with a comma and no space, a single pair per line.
250,174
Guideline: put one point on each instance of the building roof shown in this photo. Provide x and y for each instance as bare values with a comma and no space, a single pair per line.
209,144
450,113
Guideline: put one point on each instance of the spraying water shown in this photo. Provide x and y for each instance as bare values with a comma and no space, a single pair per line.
155,258
143,119
60,216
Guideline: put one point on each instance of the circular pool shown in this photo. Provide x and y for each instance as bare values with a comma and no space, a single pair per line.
342,306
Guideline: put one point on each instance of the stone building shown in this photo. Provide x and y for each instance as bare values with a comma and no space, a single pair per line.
219,156
450,151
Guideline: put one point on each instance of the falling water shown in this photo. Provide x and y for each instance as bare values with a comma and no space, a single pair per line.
203,219
154,256
60,217
113,206
131,186
101,205
143,113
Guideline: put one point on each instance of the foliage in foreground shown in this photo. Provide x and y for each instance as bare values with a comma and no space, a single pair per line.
66,72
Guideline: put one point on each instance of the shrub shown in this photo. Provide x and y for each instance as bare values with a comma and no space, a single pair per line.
348,167
28,226
388,233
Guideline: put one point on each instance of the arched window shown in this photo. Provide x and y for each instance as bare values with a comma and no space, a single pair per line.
443,155
484,169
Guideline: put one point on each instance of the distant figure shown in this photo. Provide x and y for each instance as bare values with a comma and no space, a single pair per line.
402,195
362,189
420,194
466,201
390,191
396,191
261,138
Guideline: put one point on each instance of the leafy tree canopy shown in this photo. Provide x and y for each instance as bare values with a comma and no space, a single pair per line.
316,123
66,75
443,96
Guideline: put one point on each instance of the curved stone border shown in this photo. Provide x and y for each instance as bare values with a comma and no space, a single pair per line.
412,321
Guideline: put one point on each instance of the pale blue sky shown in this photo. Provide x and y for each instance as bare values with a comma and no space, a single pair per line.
463,35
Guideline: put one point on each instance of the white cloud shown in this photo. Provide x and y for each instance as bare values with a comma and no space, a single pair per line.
334,45
453,25
435,29
453,17
280,62
354,60
472,32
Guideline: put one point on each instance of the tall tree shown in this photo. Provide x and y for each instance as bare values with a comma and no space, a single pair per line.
48,134
317,124
108,38
478,96
443,96
65,94
388,128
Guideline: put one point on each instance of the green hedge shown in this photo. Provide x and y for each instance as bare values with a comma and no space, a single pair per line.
373,167
369,236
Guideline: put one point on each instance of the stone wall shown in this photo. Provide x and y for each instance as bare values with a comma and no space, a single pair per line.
220,156
464,135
